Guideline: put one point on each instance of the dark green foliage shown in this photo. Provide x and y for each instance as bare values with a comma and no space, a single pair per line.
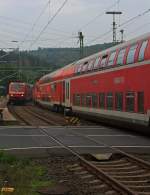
60,57
30,66
24,175
5,158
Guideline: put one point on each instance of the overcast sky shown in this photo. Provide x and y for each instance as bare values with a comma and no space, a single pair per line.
17,18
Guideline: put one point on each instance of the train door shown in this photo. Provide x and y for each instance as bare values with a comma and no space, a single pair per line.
67,93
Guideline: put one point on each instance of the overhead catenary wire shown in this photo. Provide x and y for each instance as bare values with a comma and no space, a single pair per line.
99,15
127,22
9,76
50,39
22,30
139,28
134,18
93,19
14,20
100,36
51,19
5,55
35,23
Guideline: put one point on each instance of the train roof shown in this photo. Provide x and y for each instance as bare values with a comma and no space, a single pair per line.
69,70
16,82
21,83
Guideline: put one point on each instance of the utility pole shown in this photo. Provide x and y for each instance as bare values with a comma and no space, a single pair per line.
122,35
49,5
19,60
20,70
81,40
114,13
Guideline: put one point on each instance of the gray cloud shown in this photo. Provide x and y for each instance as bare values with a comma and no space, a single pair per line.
66,25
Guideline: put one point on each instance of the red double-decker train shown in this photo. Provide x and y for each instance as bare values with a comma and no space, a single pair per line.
19,92
112,85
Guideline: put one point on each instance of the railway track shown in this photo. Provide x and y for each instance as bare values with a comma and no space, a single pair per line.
28,116
32,115
125,174
131,175
40,117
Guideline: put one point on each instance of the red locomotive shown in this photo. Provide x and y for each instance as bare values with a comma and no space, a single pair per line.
19,92
112,85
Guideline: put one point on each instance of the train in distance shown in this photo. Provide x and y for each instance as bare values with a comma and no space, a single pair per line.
19,92
110,86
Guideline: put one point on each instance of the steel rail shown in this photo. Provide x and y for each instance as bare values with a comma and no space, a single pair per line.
119,187
13,111
40,117
140,162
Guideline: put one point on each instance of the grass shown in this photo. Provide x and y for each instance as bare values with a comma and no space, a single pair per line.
23,174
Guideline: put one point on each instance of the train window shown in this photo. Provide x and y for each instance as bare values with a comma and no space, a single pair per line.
82,100
17,87
79,68
74,99
48,88
142,50
64,91
109,100
67,90
140,99
121,56
103,62
131,54
96,64
130,101
84,67
119,101
88,100
53,87
77,100
90,66
111,59
94,100
102,100
76,68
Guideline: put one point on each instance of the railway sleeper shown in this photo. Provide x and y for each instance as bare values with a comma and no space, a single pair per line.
102,186
78,168
128,168
110,192
133,177
94,181
125,169
141,182
114,162
122,166
87,176
140,188
81,173
138,172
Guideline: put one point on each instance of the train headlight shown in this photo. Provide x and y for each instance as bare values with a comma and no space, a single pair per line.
11,95
22,95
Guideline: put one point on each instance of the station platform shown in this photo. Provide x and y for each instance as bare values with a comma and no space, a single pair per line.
6,118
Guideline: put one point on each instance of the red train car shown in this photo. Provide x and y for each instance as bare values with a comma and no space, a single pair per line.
19,92
112,85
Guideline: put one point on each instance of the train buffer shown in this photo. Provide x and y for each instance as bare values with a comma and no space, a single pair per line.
72,120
